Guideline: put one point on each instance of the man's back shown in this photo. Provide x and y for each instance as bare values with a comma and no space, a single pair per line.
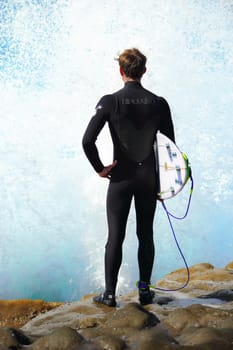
136,116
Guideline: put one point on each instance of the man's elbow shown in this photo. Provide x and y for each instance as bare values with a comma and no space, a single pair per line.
87,145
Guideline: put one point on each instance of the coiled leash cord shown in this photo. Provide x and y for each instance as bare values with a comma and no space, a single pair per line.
169,216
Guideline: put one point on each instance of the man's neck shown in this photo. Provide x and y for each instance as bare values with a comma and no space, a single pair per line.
128,79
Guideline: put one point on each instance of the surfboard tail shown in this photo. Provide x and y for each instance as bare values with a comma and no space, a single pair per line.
172,166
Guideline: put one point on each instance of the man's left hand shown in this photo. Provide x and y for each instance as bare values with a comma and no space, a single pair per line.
106,172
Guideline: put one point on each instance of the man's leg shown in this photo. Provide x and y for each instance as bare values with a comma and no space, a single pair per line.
118,205
145,205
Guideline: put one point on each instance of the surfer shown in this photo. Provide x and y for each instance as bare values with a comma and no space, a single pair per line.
134,115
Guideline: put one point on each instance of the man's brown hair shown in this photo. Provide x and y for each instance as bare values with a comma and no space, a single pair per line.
132,63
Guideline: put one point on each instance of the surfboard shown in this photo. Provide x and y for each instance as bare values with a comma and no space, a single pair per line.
172,166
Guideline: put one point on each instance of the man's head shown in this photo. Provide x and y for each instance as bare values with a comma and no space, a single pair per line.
132,63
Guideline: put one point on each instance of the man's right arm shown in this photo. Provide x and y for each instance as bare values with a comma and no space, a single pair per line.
92,131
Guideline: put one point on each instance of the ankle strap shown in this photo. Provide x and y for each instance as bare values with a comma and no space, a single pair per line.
143,285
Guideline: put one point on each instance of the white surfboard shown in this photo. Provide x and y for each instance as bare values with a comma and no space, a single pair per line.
173,167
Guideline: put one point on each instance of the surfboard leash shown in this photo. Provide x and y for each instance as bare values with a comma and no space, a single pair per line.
169,216
188,205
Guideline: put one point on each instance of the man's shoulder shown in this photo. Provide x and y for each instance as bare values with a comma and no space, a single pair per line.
158,100
105,99
105,104
154,95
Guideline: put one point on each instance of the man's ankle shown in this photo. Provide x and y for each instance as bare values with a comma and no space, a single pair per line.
142,285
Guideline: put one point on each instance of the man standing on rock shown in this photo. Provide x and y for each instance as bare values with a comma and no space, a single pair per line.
134,116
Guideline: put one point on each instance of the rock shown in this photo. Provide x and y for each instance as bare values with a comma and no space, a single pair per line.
15,313
77,315
13,337
132,315
110,342
156,336
198,317
229,267
162,300
121,324
63,338
222,294
206,335
204,277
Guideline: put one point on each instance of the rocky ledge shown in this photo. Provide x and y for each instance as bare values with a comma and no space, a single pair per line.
199,317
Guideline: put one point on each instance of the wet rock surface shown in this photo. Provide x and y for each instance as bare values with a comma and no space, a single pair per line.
198,317
223,294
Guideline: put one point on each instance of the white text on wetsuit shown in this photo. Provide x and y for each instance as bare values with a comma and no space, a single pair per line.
136,101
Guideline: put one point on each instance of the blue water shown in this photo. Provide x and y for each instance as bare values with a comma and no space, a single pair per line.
56,61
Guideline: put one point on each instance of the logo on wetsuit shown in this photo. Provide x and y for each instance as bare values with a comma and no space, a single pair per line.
137,101
98,107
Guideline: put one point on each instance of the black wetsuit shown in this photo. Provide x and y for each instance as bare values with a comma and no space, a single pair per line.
134,115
